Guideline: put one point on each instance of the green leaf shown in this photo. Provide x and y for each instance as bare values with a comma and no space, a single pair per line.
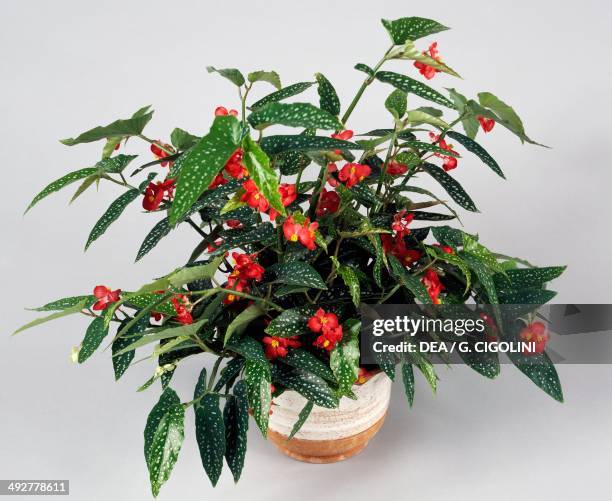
264,177
88,181
473,147
344,362
96,332
309,385
452,187
409,85
526,297
408,380
229,373
183,140
411,282
291,322
129,127
411,28
232,74
159,231
210,435
486,363
110,145
123,361
242,320
114,165
203,162
506,115
61,183
302,359
418,117
236,418
349,277
155,335
475,248
164,434
258,378
397,103
140,301
427,369
76,308
249,348
541,371
455,260
260,234
448,236
293,115
469,121
274,145
265,76
328,98
279,95
66,302
302,417
112,214
299,273
524,278
485,278
364,68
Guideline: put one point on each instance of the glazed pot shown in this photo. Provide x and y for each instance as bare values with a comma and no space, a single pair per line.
330,435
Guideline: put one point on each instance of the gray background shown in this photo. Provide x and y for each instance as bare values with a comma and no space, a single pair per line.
69,65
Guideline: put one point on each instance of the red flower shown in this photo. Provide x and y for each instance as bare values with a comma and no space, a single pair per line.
245,271
233,223
183,315
329,202
445,248
351,174
396,168
329,338
247,267
321,320
331,168
288,195
396,246
253,197
431,281
449,162
155,192
214,245
401,220
276,347
343,135
219,180
234,166
536,334
304,233
487,124
160,153
221,111
104,297
428,71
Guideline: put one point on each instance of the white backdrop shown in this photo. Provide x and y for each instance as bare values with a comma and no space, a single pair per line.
70,65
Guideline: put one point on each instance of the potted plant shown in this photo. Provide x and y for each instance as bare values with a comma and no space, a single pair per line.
293,231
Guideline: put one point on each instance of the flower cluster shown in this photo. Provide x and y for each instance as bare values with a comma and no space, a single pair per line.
395,244
424,69
327,326
160,151
105,296
276,347
156,192
537,334
181,305
246,270
305,232
449,162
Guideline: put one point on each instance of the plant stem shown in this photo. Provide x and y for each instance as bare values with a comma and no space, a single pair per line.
213,374
196,227
363,87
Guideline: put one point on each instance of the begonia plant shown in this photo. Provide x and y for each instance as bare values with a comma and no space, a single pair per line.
294,228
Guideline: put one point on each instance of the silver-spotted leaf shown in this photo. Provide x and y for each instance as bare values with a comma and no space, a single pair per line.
210,435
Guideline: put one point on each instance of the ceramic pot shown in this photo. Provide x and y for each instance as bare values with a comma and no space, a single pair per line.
331,435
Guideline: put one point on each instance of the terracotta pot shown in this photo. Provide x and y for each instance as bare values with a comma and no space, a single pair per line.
331,435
